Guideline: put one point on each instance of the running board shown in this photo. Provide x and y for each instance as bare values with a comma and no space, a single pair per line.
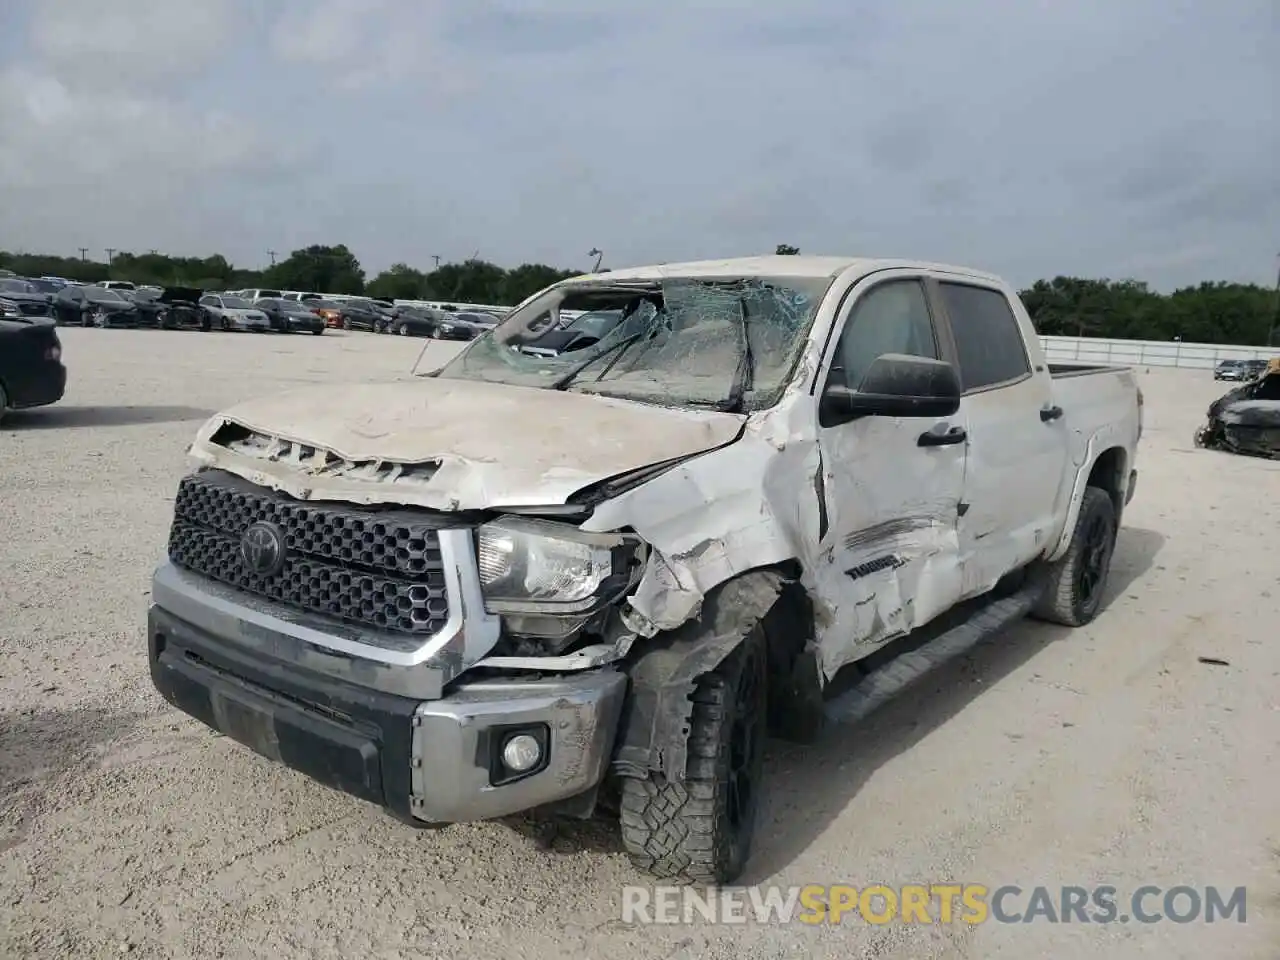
886,682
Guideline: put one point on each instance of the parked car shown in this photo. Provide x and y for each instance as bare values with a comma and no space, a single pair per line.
464,325
31,370
360,314
117,285
184,311
415,321
94,306
46,285
1254,369
773,470
288,316
152,311
234,313
29,299
330,311
1246,419
257,294
1230,370
583,331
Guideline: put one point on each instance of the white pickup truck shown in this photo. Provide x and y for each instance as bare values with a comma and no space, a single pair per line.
553,584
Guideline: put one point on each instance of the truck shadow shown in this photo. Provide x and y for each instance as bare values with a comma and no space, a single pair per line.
47,418
39,747
806,787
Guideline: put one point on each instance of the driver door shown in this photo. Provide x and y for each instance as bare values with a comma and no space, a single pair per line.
892,498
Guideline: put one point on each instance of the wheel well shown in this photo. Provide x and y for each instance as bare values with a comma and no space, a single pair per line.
1108,474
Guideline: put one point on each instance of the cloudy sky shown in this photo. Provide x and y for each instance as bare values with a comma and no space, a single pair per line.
1120,138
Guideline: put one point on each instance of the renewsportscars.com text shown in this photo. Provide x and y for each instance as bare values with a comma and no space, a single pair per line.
968,903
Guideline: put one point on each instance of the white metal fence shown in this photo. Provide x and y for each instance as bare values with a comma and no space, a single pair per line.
1150,353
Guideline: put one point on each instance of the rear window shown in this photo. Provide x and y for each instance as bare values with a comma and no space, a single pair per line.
988,341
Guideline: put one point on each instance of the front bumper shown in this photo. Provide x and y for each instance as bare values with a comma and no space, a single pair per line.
455,333
435,761
117,320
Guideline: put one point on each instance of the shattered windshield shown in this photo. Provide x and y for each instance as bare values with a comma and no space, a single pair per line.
728,343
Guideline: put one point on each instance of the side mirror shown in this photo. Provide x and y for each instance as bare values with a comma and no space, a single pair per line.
895,385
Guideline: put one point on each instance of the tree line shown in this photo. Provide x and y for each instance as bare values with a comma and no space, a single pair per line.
1207,313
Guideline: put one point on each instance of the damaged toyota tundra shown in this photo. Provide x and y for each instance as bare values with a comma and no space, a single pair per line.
777,492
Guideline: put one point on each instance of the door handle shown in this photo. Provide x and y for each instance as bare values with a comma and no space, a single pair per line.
952,436
1050,413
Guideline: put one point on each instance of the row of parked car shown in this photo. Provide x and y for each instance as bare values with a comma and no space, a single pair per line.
122,304
1239,370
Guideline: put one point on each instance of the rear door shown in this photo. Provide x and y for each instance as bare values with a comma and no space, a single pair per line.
1017,440
889,533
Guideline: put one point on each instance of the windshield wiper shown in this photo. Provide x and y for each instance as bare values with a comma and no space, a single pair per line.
744,376
563,382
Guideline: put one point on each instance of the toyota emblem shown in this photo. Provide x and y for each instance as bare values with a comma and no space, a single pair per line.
262,549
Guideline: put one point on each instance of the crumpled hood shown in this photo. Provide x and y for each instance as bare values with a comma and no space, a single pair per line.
450,444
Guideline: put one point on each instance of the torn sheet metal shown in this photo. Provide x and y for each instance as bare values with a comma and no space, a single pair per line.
419,443
872,571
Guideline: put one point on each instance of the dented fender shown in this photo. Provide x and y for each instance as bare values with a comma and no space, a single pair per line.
654,731
751,504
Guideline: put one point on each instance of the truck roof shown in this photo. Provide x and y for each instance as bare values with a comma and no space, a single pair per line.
781,266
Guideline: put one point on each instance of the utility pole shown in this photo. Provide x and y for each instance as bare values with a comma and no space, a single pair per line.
111,252
272,255
84,254
599,255
436,258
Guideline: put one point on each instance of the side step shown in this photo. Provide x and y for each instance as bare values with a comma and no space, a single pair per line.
886,682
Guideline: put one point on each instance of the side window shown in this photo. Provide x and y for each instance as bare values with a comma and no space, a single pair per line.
988,342
209,301
892,317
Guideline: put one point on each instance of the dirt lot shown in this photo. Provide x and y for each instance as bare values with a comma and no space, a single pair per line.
1110,755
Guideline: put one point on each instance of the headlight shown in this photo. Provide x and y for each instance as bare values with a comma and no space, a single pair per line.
537,566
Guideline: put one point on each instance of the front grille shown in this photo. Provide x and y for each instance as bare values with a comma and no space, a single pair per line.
29,308
381,569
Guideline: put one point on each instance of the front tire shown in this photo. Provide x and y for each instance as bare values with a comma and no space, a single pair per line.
1077,581
701,830
403,329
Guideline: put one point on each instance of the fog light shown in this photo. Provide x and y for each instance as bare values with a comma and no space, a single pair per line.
521,753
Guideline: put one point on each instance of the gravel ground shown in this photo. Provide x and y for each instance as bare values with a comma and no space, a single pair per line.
1104,755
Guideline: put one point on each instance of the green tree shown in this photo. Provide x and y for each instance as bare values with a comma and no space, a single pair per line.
321,268
527,279
472,281
398,282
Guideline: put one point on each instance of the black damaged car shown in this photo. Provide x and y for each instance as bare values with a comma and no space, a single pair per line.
288,316
31,370
182,309
30,300
92,306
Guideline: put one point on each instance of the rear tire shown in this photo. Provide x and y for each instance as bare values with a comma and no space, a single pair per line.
700,831
1077,581
318,330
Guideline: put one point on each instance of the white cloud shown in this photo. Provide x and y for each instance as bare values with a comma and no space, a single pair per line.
97,43
1030,138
